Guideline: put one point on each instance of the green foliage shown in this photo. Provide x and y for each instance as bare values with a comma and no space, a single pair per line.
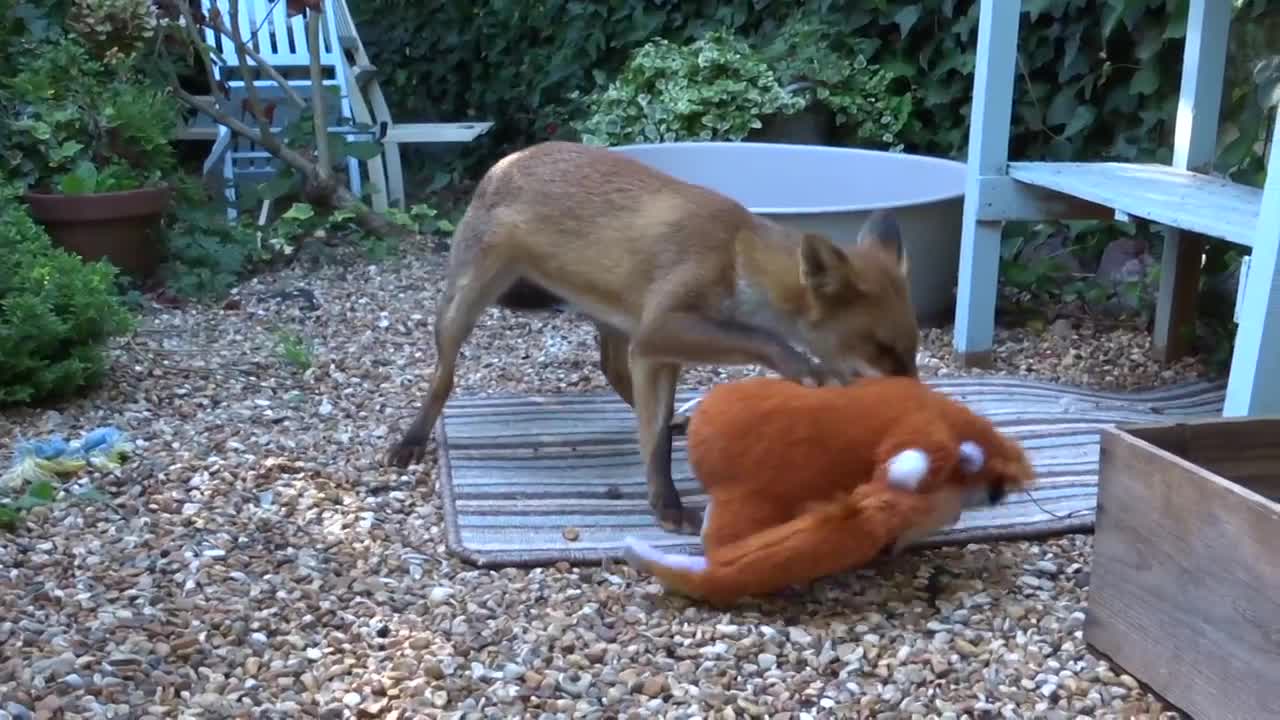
295,350
421,219
834,70
71,120
37,494
208,255
717,87
116,30
56,312
722,87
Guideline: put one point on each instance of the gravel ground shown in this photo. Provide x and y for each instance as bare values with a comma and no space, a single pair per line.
255,559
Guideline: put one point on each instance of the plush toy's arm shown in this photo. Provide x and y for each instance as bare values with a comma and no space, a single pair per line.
826,540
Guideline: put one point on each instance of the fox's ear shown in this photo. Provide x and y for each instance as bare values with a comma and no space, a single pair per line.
824,268
881,230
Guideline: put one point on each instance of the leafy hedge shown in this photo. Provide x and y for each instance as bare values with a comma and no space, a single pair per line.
56,312
1097,78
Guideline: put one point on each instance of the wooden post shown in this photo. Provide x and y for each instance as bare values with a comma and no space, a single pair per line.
989,124
1254,385
1204,61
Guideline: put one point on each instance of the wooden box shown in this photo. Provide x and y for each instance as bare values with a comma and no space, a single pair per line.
1184,592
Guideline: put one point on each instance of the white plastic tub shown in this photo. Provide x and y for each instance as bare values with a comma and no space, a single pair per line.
832,190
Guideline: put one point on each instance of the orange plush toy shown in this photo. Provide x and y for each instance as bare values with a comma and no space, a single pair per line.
805,482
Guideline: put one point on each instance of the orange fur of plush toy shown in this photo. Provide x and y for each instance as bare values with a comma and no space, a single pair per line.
806,482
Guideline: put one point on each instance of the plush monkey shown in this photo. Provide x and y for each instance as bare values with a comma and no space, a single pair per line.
806,482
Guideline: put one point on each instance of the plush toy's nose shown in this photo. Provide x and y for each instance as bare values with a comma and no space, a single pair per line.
995,494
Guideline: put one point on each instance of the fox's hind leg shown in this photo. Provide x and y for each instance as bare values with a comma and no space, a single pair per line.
478,275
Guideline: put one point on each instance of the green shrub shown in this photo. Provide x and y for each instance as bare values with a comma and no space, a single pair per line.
56,312
71,122
717,87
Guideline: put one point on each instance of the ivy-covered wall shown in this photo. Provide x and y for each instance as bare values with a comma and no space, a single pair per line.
1097,78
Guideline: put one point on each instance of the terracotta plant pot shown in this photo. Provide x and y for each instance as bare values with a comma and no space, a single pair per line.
116,226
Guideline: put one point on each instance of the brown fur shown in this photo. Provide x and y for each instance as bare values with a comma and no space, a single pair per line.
671,274
798,480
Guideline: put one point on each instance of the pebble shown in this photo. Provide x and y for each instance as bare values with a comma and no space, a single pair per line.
265,562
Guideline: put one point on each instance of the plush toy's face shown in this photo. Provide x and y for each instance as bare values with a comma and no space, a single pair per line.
986,472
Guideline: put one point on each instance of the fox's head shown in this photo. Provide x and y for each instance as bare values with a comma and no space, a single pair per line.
860,319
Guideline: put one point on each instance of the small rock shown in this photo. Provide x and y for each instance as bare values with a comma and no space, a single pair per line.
439,595
654,686
766,661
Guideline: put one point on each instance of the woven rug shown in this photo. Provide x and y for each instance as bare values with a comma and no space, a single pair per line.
536,480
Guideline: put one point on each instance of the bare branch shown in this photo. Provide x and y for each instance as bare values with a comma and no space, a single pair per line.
221,28
270,142
197,44
250,83
318,115
335,194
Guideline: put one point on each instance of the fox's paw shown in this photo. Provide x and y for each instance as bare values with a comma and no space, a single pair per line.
683,520
406,452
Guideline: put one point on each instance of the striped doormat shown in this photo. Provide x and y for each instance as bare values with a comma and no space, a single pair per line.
536,480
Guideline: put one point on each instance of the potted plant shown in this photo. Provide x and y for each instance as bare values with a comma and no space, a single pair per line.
847,98
89,139
796,85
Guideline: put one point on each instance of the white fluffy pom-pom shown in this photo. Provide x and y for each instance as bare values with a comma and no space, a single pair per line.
971,457
908,469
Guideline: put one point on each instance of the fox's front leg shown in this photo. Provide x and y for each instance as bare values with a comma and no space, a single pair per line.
654,388
690,338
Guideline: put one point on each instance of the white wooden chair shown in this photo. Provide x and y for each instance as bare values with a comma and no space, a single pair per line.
283,45
370,106
1191,204
282,42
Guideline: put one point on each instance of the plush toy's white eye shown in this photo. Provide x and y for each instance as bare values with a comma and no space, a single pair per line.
908,468
971,457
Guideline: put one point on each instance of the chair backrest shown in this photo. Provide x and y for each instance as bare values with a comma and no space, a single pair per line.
281,40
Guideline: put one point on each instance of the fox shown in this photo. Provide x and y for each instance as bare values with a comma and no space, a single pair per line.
808,482
671,274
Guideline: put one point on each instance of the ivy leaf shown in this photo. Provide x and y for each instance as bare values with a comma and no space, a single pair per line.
81,181
1062,106
906,19
1266,75
276,187
1035,8
1145,80
300,211
1082,118
363,150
